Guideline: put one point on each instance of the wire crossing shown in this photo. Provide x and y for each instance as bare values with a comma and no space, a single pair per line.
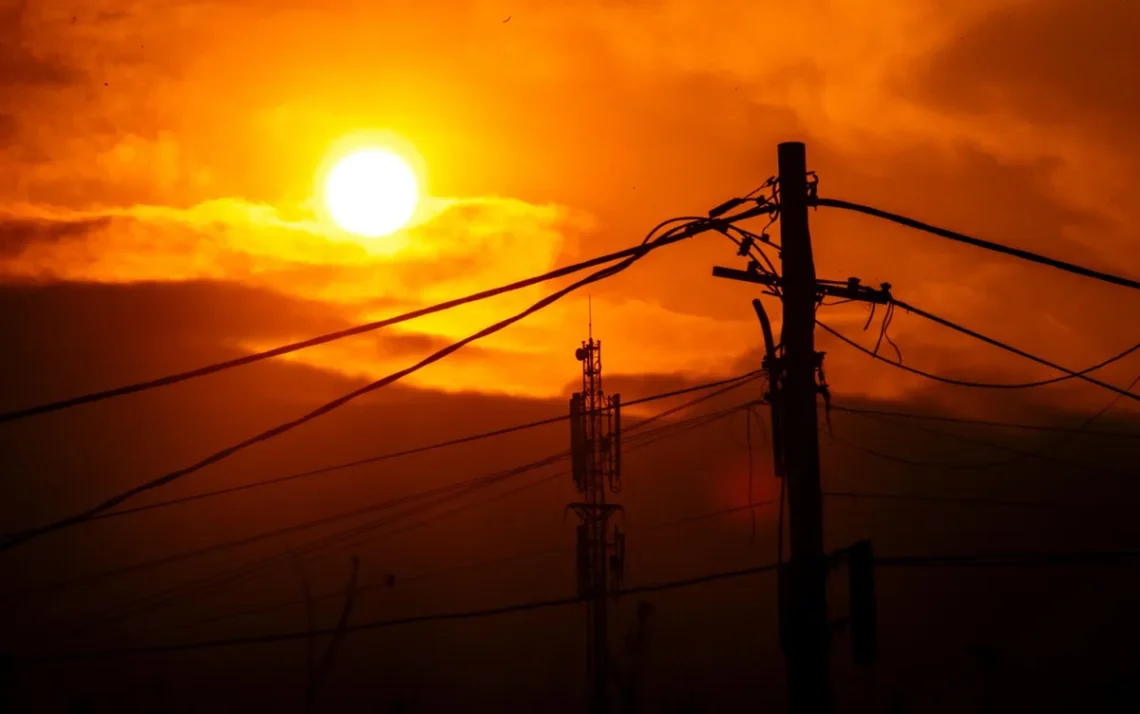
733,381
676,234
365,533
981,560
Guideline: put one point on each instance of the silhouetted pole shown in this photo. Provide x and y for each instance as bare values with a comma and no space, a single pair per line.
805,611
595,438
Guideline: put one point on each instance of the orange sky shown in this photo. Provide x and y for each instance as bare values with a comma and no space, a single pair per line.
158,168
143,144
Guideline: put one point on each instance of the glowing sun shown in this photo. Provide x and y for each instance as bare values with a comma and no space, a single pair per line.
371,193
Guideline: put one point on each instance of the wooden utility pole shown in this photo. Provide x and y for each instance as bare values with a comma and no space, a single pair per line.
806,625
793,366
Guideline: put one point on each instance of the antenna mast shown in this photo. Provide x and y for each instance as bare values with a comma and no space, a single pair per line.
595,437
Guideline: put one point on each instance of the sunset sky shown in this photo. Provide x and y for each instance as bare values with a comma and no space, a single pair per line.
144,146
161,208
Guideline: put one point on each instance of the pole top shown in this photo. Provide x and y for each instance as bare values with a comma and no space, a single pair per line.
793,151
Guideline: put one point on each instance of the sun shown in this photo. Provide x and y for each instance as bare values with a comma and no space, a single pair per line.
371,193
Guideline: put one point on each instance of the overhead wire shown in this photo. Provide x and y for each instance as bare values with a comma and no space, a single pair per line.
969,500
407,452
92,397
976,242
633,443
1081,429
1014,350
263,565
1009,559
463,486
343,541
481,564
914,462
22,537
1017,453
1014,559
985,422
340,539
973,383
379,624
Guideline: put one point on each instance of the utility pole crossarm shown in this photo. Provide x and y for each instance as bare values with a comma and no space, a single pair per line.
850,289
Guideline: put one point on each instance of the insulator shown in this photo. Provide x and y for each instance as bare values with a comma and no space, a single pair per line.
725,207
746,245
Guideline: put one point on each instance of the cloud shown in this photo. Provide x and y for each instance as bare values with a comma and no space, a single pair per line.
1051,62
458,247
16,235
202,158
459,242
20,67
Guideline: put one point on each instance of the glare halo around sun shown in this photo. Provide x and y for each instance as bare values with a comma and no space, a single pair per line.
371,193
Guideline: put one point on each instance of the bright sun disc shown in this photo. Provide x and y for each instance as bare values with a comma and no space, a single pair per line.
371,193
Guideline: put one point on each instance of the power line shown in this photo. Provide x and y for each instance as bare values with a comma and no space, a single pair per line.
83,516
381,624
978,560
913,462
659,434
634,252
968,500
342,539
263,565
1021,353
1006,560
633,443
443,494
500,560
1018,453
971,383
977,242
442,491
984,422
410,452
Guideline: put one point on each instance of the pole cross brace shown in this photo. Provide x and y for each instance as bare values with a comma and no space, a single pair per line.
591,511
850,289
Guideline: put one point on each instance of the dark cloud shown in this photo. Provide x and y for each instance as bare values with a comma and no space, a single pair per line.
632,386
68,337
1065,637
1049,61
17,234
20,65
73,337
410,344
683,476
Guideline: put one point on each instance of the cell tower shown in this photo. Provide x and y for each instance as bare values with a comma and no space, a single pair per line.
595,439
